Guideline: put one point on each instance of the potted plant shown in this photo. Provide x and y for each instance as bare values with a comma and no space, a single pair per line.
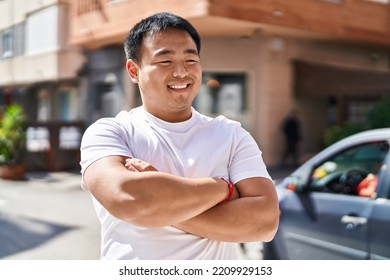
13,142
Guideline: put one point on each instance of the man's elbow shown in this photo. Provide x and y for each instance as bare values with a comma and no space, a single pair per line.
122,207
272,226
135,211
268,225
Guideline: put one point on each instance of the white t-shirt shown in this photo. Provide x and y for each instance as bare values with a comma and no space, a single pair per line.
199,147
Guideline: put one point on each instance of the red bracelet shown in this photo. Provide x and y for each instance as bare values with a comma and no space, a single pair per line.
231,190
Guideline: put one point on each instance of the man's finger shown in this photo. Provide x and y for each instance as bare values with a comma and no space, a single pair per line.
140,165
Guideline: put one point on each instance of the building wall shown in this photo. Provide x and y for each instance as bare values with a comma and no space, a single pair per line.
250,48
41,73
277,91
235,55
268,63
14,11
314,110
48,66
41,52
239,55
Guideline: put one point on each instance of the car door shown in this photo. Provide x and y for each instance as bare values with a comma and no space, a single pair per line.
328,220
379,235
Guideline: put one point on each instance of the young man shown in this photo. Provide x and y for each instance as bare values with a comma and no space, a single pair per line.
168,182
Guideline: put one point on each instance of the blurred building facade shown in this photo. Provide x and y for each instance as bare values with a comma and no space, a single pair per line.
329,59
39,69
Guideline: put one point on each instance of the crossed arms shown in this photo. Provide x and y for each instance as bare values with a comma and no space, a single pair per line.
134,191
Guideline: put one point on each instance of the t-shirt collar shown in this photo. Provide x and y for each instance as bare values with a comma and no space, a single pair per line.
173,127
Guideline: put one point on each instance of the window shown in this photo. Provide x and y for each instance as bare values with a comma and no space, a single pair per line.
38,139
348,171
358,110
70,138
64,113
222,94
18,39
44,105
7,44
40,36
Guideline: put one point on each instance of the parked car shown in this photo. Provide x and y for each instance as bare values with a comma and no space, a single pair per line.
337,204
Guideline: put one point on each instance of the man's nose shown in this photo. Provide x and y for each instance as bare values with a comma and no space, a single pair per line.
180,71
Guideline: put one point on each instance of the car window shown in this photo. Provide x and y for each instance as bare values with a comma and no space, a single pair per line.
354,171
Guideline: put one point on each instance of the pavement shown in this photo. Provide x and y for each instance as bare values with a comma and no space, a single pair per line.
48,216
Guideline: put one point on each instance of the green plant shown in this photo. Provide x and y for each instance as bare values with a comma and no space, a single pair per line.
379,115
13,135
335,133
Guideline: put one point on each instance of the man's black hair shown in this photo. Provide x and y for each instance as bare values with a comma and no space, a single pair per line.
153,24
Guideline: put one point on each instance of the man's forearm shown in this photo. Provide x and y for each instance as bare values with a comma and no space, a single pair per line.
252,217
241,220
151,199
165,199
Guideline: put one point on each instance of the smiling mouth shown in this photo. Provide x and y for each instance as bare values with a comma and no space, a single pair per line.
182,86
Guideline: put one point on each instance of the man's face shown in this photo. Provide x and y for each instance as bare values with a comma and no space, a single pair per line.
169,74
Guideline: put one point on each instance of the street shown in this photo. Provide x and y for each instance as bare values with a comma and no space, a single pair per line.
47,217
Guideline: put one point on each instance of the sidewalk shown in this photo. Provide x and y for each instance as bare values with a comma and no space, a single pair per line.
47,216
61,180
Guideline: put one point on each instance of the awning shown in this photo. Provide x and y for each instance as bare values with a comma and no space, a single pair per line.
312,79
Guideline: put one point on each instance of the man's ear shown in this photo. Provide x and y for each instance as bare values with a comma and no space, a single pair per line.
132,70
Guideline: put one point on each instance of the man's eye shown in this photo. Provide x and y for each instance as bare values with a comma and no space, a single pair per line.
192,61
165,62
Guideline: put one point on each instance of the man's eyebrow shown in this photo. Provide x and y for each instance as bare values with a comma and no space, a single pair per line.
164,52
191,51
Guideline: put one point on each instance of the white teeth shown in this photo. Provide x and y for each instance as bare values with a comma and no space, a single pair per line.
178,86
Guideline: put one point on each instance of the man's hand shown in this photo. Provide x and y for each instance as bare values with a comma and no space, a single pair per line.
138,165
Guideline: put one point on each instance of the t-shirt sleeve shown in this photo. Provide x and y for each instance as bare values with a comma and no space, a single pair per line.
105,137
247,160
